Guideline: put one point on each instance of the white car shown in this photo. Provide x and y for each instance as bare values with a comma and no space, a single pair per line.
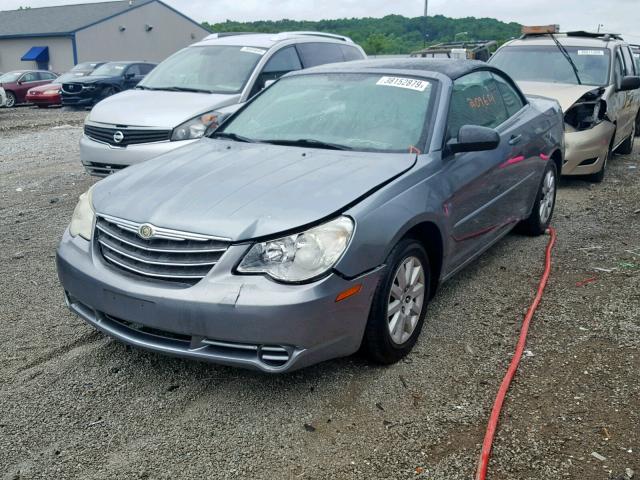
185,94
3,97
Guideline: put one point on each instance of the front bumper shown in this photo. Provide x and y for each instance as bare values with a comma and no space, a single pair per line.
79,100
585,151
49,100
228,319
100,159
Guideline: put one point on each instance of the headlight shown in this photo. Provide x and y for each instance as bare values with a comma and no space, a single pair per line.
82,219
51,92
302,256
195,128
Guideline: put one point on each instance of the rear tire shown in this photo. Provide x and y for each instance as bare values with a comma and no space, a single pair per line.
627,146
638,124
399,304
540,218
11,100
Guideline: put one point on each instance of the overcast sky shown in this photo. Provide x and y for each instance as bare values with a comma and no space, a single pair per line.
620,16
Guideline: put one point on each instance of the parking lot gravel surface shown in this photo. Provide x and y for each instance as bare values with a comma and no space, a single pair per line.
77,404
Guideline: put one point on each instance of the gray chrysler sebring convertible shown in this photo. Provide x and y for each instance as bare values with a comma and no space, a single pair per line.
319,219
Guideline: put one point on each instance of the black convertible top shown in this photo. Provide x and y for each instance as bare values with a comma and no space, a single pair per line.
448,67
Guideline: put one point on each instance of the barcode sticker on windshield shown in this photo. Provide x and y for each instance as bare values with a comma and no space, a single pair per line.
257,51
402,82
590,52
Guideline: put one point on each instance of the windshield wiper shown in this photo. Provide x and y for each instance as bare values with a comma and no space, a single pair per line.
232,136
567,56
184,89
308,142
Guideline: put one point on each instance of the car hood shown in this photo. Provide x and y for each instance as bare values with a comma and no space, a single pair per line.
89,79
44,88
146,108
565,93
244,191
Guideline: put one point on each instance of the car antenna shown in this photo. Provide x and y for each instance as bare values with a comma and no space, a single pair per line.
567,56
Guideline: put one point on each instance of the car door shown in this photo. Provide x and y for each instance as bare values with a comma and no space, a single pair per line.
619,102
632,100
25,82
281,62
132,76
482,184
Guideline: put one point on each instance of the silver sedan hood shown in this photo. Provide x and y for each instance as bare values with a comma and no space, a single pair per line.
147,108
244,191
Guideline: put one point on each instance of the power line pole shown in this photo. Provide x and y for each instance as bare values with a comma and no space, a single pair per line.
426,14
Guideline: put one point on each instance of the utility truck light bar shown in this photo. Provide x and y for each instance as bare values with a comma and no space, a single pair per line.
540,29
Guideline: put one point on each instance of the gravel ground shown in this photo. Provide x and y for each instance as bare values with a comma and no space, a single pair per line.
76,404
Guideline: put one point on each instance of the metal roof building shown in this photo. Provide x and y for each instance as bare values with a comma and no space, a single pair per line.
57,38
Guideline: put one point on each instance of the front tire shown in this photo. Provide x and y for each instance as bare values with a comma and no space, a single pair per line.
399,304
540,218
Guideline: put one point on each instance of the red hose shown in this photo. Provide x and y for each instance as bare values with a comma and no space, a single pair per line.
513,366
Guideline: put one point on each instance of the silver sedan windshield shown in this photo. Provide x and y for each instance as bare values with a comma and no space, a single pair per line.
351,111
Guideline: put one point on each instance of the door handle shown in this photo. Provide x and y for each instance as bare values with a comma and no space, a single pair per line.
515,139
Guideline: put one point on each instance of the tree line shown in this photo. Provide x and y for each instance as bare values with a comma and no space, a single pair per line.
393,34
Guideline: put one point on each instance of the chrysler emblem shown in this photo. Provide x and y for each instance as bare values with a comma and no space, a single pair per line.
145,231
118,136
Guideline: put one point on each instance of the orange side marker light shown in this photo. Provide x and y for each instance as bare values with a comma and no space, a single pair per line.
349,292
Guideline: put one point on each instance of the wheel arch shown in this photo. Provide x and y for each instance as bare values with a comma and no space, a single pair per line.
429,235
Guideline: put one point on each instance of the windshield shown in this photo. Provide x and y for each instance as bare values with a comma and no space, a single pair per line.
351,111
10,77
545,63
67,77
213,69
85,66
109,70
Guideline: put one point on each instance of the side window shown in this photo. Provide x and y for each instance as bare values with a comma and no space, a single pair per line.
475,100
29,77
145,68
283,61
133,70
47,76
618,69
313,54
512,100
350,53
628,61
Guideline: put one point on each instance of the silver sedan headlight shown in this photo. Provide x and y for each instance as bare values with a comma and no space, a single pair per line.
302,256
82,218
195,128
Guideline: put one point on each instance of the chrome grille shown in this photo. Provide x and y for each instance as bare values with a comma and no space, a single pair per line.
72,87
169,255
102,169
130,136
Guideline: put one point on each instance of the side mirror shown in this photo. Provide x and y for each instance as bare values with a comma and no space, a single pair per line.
129,76
629,83
473,138
19,82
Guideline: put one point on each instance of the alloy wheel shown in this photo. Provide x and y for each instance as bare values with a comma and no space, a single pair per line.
11,100
548,196
406,300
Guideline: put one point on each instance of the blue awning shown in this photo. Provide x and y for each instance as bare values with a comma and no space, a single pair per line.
36,54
